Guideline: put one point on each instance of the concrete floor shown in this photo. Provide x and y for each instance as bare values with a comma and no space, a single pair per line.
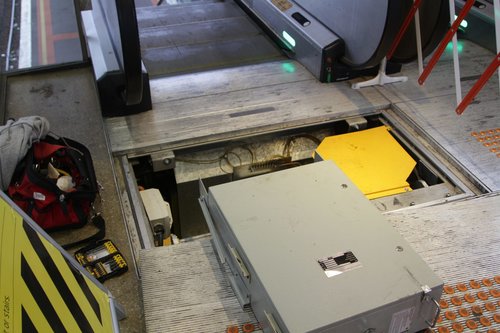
69,101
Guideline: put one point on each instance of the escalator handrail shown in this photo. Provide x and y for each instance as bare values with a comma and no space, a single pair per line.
131,51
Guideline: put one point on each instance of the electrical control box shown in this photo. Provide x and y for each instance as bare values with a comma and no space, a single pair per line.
310,253
158,211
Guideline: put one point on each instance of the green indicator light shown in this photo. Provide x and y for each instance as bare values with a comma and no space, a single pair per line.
288,38
460,47
288,67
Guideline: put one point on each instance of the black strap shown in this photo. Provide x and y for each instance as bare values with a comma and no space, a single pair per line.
98,221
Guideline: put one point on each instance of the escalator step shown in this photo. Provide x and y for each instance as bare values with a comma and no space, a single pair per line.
194,37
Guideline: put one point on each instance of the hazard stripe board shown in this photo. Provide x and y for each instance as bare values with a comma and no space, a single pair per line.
42,288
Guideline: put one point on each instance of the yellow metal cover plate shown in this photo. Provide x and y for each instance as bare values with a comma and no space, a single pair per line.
372,159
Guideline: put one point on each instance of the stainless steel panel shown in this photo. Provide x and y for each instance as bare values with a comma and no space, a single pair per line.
453,135
458,240
234,102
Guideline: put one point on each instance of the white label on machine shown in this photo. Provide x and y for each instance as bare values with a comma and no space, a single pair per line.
401,320
339,263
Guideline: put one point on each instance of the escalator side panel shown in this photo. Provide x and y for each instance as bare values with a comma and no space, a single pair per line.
301,35
367,27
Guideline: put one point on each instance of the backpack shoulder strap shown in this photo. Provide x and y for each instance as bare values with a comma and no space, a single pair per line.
98,221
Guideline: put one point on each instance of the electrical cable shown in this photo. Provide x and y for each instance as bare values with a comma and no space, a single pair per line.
226,158
227,151
290,140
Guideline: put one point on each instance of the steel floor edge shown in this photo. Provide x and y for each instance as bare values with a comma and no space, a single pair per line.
233,102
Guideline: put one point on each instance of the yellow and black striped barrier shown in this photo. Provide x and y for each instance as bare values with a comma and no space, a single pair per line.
43,288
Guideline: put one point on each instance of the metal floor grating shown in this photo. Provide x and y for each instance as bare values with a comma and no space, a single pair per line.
185,290
460,242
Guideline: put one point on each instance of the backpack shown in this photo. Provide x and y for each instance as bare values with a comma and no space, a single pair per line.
55,183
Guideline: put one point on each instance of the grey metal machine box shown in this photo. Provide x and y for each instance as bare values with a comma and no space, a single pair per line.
311,254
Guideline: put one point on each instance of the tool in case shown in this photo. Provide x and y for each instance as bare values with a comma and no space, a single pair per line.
102,259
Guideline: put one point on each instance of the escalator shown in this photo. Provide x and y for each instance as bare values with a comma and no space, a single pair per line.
335,41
